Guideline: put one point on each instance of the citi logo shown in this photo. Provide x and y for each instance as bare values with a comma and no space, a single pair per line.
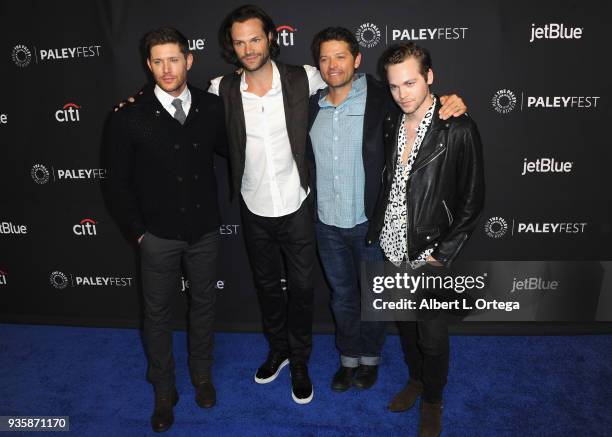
86,227
555,31
533,284
285,35
546,165
496,227
10,228
368,35
2,278
69,112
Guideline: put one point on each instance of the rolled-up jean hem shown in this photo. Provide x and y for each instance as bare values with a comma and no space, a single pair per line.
369,361
349,361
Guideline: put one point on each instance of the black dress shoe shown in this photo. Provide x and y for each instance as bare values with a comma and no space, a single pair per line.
272,367
206,396
301,386
163,416
365,376
343,379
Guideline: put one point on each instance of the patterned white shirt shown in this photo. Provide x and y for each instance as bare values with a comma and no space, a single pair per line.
393,238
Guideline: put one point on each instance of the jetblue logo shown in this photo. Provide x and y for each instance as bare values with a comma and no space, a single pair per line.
546,165
555,31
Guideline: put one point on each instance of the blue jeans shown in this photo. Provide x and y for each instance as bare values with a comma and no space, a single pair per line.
342,252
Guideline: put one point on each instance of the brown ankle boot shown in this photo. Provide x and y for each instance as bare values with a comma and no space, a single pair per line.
406,398
430,423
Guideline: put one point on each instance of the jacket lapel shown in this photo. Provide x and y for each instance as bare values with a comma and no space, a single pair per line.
430,147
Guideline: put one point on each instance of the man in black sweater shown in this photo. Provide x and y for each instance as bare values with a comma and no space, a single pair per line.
162,190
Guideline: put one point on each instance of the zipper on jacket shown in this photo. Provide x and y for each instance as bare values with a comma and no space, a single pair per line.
407,225
429,161
448,213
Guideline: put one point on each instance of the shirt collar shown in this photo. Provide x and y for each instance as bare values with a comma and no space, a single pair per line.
358,88
166,99
276,82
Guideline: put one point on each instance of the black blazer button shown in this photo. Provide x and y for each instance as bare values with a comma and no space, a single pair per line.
176,147
195,176
179,178
182,209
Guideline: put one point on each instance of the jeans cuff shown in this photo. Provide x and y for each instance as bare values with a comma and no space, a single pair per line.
349,361
369,361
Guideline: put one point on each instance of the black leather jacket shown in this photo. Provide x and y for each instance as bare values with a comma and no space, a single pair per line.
445,191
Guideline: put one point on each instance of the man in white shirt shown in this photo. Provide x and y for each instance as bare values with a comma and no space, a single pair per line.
267,114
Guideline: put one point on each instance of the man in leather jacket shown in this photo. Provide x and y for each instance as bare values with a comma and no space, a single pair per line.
429,205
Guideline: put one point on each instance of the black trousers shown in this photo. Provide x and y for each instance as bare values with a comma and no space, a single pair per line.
161,261
286,315
426,352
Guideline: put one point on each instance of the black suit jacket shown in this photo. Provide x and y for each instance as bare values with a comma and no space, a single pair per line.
378,103
161,174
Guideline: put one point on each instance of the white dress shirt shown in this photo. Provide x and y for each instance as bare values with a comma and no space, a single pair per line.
166,100
271,182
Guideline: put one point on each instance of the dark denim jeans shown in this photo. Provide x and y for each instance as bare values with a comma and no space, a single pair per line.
342,253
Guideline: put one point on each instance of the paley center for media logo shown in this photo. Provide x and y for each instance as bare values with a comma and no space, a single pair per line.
555,31
68,113
368,35
60,280
85,228
9,228
41,174
497,227
23,55
429,33
505,101
285,35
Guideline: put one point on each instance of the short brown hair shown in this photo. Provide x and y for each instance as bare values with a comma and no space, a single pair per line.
164,35
398,53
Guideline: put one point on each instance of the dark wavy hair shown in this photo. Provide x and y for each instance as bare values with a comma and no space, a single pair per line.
333,34
164,35
398,53
240,15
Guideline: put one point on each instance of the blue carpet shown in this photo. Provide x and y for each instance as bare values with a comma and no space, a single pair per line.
498,386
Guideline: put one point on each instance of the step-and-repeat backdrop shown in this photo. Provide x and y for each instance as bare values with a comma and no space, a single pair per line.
535,75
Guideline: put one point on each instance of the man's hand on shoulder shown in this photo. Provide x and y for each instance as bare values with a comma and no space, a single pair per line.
452,106
130,99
